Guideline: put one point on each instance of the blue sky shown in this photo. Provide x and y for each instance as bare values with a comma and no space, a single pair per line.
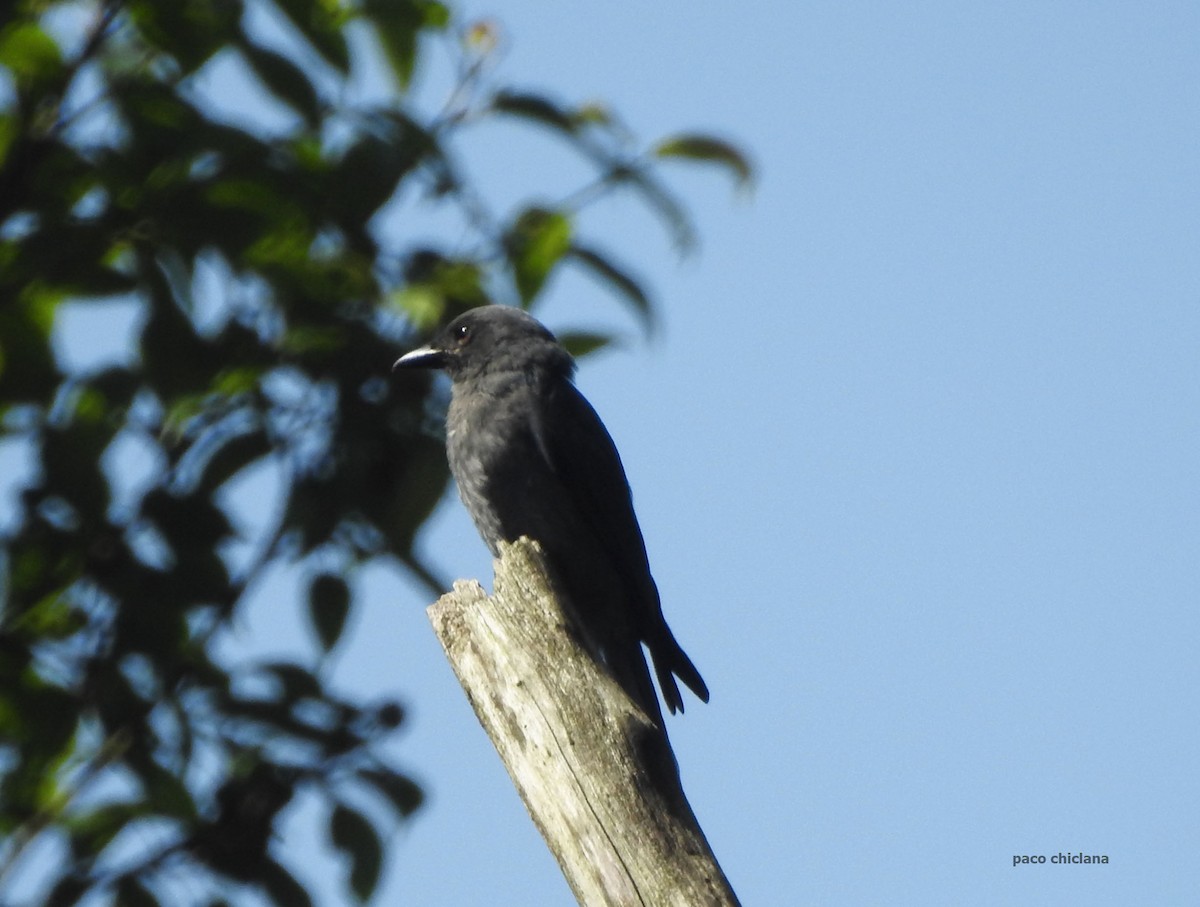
916,457
916,454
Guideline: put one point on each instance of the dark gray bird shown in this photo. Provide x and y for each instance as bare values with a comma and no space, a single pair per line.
531,457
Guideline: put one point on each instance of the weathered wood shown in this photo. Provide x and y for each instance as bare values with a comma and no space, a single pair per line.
597,776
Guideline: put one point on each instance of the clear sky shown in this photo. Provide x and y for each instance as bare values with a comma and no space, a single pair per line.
916,454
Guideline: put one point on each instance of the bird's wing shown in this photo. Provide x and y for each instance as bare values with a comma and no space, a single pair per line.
581,453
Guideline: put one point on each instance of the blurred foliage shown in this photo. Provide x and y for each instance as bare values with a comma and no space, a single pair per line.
270,307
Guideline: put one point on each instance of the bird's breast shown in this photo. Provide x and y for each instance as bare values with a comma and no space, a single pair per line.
496,464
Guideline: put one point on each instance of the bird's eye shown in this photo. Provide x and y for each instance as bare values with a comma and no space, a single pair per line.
462,334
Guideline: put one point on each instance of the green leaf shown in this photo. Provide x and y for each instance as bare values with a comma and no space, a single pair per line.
132,893
437,288
117,385
191,521
372,167
354,836
73,258
423,305
47,717
232,457
93,831
53,617
71,460
580,343
321,25
69,890
286,81
297,682
189,32
152,626
536,108
328,605
619,280
29,53
409,491
709,150
662,202
397,25
27,369
9,130
176,359
596,113
536,242
280,887
404,795
166,793
237,380
437,15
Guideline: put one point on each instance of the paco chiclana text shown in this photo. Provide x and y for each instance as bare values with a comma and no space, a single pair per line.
1019,859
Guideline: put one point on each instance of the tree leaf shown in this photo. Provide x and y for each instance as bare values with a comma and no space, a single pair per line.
258,277
710,150
626,286
166,793
662,202
27,370
580,343
297,682
398,24
71,460
328,605
437,14
408,492
536,242
132,893
92,831
281,888
234,455
8,134
404,795
536,108
55,616
29,53
354,836
321,25
373,166
286,81
189,32
177,361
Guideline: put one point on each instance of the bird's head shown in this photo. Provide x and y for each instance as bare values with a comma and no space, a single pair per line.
491,339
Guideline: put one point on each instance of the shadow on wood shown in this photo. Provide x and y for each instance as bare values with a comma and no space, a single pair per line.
596,774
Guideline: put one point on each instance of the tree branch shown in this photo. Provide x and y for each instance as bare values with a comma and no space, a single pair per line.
597,776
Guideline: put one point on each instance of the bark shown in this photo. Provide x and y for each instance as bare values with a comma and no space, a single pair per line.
596,774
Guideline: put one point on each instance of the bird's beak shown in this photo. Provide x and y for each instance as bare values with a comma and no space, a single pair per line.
421,357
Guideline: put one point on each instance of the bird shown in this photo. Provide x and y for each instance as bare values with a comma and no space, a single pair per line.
532,458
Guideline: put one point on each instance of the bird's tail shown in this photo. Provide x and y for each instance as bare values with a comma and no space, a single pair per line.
670,661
